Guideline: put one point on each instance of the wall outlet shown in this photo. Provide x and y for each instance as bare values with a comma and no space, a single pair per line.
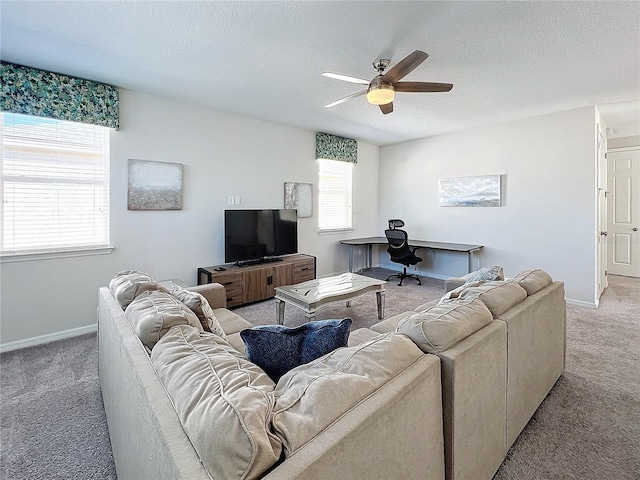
476,263
230,200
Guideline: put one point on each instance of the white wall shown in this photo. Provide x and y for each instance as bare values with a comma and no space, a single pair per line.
623,142
548,217
222,155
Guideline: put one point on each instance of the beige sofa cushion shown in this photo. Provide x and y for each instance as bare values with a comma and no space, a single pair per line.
128,284
311,397
361,335
455,293
223,402
533,280
200,306
498,296
445,324
154,312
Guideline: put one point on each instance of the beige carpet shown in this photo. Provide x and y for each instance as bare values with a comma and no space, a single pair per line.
53,424
588,427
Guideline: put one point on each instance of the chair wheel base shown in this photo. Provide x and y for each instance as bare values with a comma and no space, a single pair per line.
402,275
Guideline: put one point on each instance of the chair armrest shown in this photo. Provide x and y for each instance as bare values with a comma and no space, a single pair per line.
215,294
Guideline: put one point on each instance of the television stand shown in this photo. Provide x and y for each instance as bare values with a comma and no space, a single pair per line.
258,261
250,283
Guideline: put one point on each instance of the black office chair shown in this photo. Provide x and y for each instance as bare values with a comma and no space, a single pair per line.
400,251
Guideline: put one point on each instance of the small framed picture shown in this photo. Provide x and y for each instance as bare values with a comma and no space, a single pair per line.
300,197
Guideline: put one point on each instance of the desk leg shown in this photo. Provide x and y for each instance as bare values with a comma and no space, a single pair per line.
351,258
310,316
280,311
380,302
370,256
470,263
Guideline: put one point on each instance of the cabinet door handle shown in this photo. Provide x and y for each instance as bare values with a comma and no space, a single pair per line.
229,299
227,283
305,268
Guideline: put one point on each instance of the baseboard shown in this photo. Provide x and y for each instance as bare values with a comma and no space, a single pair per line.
581,303
395,268
49,337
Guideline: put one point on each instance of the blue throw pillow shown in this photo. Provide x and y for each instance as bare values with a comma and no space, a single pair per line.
277,349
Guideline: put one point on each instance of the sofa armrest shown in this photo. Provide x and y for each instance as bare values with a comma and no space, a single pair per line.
474,386
215,294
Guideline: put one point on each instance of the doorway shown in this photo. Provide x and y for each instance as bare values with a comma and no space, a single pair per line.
602,255
623,212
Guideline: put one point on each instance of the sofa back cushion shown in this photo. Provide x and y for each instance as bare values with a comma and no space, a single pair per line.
445,324
498,296
223,402
533,280
128,284
200,306
154,312
312,397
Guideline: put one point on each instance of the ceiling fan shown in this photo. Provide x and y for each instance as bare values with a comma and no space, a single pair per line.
381,90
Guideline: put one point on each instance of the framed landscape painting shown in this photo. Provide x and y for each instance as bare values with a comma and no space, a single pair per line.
154,185
478,191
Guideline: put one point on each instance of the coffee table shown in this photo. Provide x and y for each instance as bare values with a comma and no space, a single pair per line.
315,294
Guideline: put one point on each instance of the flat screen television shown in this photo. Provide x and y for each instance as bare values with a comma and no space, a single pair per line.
255,236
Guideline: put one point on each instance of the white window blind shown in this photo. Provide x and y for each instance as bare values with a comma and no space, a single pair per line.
334,195
54,184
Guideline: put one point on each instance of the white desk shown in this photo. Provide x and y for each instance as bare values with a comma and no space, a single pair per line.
370,241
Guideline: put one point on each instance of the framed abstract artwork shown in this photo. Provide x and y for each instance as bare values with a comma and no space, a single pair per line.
300,197
154,185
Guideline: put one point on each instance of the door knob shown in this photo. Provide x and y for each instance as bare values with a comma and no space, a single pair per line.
604,233
635,229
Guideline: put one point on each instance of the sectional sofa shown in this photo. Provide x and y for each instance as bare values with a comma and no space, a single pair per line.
502,347
439,391
193,407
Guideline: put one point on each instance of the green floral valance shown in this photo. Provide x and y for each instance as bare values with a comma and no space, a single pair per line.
331,147
45,94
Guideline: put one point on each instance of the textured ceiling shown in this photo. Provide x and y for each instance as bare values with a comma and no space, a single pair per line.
507,60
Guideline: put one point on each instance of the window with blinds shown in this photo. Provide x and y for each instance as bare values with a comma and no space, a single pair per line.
54,185
334,195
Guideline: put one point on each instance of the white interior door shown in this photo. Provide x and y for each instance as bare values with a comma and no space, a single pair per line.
624,212
602,216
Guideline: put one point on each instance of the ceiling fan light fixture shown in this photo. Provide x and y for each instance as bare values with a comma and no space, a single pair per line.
380,93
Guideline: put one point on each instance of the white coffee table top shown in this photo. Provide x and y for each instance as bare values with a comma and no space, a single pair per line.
314,293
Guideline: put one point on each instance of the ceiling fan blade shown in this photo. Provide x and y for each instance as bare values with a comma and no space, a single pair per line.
405,66
422,87
344,99
346,78
387,108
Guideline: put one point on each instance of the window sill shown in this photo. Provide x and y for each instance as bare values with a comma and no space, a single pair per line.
337,230
48,255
